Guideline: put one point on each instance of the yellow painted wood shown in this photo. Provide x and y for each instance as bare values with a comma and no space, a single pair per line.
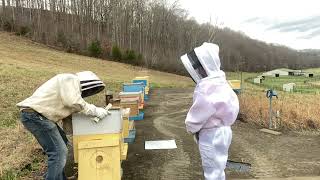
125,128
235,84
124,151
147,89
99,163
131,125
125,122
97,143
108,138
147,78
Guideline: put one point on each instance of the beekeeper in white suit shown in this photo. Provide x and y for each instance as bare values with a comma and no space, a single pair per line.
215,108
53,101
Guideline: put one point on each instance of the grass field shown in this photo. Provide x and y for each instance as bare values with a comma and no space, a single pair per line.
298,110
25,65
303,84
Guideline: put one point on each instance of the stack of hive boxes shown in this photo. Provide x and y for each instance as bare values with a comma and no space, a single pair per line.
146,82
99,147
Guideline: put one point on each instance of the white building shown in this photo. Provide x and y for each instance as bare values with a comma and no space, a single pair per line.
257,80
289,87
276,73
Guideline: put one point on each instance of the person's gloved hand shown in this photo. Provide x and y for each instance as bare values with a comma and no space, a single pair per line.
108,107
101,113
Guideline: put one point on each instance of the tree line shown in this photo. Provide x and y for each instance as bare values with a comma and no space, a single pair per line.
150,33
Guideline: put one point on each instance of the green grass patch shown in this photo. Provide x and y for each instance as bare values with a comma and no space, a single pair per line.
303,84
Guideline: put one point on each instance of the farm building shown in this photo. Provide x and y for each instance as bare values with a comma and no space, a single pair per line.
308,75
285,72
289,87
276,73
257,80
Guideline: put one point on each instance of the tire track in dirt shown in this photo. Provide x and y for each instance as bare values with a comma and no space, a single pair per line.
262,167
169,124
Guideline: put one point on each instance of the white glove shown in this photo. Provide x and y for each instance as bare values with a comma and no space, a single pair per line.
101,113
108,107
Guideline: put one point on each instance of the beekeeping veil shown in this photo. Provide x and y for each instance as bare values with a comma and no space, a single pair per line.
203,62
90,83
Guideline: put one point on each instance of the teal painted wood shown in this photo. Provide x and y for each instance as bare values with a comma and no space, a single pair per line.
140,81
132,135
134,87
137,118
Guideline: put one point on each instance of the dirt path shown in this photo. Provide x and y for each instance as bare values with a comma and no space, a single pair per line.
290,154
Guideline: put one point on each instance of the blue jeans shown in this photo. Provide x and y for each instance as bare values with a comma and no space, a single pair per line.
53,141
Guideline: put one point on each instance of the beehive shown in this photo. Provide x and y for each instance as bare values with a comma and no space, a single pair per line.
132,103
124,95
115,102
235,84
145,80
135,87
98,147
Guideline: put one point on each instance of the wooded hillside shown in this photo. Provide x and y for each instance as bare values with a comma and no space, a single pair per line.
151,33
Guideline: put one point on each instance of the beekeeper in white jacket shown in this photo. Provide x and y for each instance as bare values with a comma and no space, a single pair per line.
215,108
53,101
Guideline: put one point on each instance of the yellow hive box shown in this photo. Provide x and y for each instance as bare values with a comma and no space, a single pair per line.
147,78
147,89
235,84
99,158
131,125
132,103
85,138
124,151
125,123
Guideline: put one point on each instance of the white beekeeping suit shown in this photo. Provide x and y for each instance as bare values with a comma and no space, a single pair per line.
63,95
215,108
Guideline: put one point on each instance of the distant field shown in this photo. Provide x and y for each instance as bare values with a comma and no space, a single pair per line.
314,70
298,110
303,84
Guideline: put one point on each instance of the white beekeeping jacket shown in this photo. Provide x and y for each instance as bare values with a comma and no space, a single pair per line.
214,102
63,95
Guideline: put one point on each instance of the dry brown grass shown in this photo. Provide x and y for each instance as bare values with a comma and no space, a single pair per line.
297,111
25,65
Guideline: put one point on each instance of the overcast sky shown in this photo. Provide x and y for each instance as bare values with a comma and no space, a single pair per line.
294,23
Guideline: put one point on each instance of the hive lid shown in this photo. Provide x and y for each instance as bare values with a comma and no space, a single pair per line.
130,93
131,99
84,125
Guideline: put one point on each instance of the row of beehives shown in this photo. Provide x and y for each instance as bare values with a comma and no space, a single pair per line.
99,148
289,87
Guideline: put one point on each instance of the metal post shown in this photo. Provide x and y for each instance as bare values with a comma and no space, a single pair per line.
241,82
270,113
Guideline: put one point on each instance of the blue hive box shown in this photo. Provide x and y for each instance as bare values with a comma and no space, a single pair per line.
132,135
146,97
145,83
137,118
133,87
